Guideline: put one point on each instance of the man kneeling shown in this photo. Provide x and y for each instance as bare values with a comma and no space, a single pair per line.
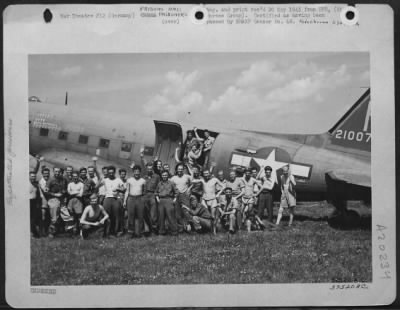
94,218
198,215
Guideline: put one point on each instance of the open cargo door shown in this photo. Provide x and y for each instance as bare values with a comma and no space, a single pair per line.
168,138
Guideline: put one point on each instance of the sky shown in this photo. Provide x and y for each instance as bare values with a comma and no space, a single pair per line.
272,92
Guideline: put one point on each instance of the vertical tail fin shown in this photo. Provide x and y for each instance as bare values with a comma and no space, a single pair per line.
353,130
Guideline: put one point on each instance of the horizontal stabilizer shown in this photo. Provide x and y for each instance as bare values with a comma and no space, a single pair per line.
351,177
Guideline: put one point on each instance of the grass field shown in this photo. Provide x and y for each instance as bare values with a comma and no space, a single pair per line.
308,252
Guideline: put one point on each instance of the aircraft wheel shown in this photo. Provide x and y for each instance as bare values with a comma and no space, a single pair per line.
347,219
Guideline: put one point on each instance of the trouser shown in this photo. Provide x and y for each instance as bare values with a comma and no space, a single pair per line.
75,206
230,220
166,210
200,223
206,159
135,206
182,199
114,209
35,216
101,199
54,211
89,229
265,202
151,211
86,201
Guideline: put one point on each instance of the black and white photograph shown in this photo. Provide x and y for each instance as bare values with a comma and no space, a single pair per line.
213,155
200,168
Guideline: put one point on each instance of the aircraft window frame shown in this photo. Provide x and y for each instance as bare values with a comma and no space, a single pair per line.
63,135
44,132
104,143
148,150
83,139
126,147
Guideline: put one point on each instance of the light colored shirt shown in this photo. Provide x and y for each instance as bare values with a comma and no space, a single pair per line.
208,143
33,191
136,187
268,183
95,179
182,183
210,189
111,187
75,188
43,185
237,186
231,205
102,189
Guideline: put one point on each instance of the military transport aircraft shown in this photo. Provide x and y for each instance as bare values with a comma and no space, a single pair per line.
335,165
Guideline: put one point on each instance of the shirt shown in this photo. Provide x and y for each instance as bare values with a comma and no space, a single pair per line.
201,211
166,189
230,205
88,186
95,179
136,187
75,188
208,143
249,186
209,189
58,185
268,183
152,182
33,190
197,186
44,185
102,189
182,183
111,187
237,186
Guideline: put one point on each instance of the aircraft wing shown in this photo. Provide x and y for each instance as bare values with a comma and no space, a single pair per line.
354,177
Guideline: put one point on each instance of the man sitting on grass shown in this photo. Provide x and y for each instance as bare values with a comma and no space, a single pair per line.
94,218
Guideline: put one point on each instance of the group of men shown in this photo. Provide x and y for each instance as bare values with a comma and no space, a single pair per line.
157,202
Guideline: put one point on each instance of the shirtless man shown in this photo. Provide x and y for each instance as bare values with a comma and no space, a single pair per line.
94,218
237,188
210,196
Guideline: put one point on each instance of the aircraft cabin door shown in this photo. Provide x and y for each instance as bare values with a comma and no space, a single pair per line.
168,138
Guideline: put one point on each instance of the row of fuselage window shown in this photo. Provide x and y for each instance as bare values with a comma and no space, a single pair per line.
103,143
